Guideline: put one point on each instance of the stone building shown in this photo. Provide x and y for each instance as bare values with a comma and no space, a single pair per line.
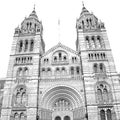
61,83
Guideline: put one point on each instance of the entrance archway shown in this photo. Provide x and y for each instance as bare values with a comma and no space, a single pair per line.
58,118
64,103
66,118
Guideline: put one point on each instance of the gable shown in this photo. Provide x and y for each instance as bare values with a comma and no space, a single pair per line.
59,53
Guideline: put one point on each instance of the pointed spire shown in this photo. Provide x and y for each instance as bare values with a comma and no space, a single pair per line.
59,29
34,8
33,14
83,3
84,10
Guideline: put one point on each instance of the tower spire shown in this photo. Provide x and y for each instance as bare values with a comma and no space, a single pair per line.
34,8
83,3
59,29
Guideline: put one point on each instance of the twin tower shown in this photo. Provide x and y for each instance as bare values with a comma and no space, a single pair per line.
61,83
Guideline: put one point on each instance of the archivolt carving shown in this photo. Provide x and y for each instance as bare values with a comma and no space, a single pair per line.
60,97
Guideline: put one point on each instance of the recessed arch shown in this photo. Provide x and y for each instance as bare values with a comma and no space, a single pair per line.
63,92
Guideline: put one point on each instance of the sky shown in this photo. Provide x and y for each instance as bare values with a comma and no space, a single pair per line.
13,12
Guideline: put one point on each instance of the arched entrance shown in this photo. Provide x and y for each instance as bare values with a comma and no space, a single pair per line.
66,118
58,118
63,102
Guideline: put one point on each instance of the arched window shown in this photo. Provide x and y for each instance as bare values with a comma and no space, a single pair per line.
19,72
87,42
82,24
30,59
93,42
102,67
78,70
43,71
66,118
26,45
87,22
72,70
91,56
98,56
90,21
25,71
27,25
102,115
22,116
20,96
49,71
104,95
99,42
60,56
57,70
64,58
109,114
31,45
99,95
30,24
104,56
16,116
55,58
63,70
20,46
95,68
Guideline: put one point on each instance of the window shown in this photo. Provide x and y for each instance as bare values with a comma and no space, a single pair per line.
20,97
99,94
82,24
106,115
20,46
72,70
63,70
64,58
95,68
104,95
102,67
93,42
25,71
74,59
55,58
31,45
16,116
109,114
26,45
19,116
102,115
22,116
60,56
78,70
57,69
49,71
87,42
19,72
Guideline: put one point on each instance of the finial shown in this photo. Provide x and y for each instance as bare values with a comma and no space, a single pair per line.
83,4
34,7
59,29
92,12
59,22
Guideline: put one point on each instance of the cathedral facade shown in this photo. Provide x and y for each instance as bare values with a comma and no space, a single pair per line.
61,83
